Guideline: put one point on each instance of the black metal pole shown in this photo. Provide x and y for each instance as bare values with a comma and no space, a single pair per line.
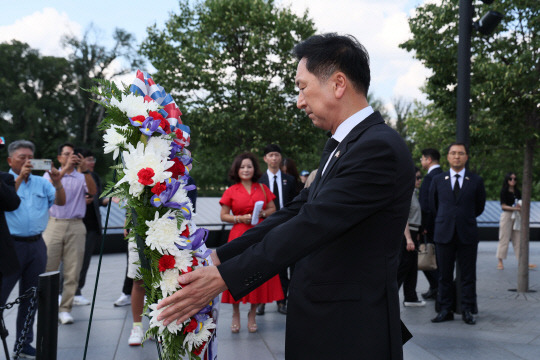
464,71
47,324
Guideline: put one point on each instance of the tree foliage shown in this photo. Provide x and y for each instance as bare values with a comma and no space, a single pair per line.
230,68
43,98
505,73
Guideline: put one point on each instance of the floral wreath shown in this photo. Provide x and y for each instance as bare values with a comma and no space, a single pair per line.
143,123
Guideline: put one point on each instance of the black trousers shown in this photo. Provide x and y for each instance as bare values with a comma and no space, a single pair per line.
465,255
408,269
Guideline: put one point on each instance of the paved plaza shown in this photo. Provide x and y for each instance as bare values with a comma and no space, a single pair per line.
508,324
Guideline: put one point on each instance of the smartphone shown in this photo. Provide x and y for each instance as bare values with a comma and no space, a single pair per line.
41,164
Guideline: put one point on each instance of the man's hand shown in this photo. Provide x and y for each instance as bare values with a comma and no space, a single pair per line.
199,288
215,258
55,176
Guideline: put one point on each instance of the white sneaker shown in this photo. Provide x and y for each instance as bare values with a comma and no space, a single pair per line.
81,300
123,300
417,303
65,318
136,336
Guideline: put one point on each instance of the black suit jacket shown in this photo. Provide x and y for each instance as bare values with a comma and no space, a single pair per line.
457,215
344,234
9,201
428,219
288,186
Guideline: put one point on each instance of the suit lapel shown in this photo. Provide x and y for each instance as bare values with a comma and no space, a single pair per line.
343,147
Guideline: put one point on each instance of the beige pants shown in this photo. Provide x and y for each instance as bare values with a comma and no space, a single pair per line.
65,240
507,233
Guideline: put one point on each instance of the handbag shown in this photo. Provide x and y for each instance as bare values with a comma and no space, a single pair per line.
426,256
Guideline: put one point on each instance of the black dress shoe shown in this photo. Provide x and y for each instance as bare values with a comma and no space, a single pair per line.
260,309
444,315
431,294
282,308
468,318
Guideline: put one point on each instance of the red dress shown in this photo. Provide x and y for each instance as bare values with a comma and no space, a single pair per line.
241,202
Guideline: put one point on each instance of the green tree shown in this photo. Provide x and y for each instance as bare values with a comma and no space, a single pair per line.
229,66
35,97
505,74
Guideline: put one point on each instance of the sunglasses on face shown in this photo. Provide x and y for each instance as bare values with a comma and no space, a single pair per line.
419,178
513,178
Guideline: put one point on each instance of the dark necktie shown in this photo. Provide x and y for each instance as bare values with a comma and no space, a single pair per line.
276,193
330,146
456,187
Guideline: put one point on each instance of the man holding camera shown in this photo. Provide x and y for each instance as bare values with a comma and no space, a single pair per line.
26,224
65,235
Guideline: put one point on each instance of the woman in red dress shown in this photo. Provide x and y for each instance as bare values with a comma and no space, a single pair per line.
237,205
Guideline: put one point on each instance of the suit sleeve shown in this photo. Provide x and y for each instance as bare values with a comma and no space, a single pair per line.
480,197
256,234
339,206
433,198
9,200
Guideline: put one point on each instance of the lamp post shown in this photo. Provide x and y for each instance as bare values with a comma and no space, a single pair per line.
485,26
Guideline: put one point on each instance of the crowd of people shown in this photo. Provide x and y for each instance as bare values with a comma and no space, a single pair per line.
51,220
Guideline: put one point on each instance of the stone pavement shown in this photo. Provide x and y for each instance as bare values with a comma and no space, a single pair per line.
508,324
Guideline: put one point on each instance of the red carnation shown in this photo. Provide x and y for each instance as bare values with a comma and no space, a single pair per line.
191,326
178,169
138,118
166,262
164,124
199,350
159,188
185,233
145,176
194,262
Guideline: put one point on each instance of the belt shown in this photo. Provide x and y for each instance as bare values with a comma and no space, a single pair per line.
32,238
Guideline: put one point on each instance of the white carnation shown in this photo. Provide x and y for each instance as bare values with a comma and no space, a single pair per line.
160,145
183,259
195,340
180,196
163,233
114,140
133,105
154,322
169,282
136,159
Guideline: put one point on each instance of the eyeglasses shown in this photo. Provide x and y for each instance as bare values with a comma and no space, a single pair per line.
459,153
419,177
67,154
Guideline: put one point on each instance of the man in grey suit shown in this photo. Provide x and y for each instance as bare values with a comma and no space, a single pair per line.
343,232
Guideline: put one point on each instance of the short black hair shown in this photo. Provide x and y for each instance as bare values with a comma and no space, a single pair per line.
61,147
84,152
458,144
431,153
237,162
271,148
328,53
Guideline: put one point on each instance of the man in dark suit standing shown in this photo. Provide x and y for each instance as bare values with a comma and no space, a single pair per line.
456,198
284,188
343,233
430,162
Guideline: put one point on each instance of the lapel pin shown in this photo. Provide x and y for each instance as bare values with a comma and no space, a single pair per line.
337,154
446,177
466,178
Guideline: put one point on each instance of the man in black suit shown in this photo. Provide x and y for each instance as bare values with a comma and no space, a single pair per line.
456,198
9,201
343,232
284,188
430,162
